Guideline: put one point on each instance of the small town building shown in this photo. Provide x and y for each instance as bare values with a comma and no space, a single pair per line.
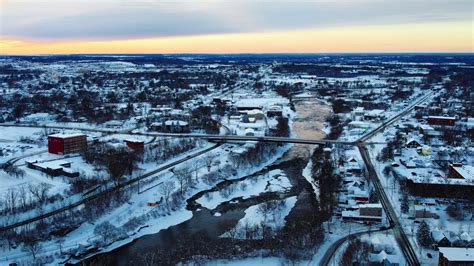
441,120
274,111
359,124
376,114
66,143
412,143
449,256
367,213
256,114
171,126
440,239
423,212
248,105
371,209
383,259
357,114
53,168
429,131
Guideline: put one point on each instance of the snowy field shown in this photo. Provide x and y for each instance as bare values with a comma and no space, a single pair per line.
257,215
274,181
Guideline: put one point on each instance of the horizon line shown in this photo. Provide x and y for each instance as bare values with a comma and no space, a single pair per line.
252,53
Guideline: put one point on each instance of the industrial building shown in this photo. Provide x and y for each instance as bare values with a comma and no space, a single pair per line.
66,143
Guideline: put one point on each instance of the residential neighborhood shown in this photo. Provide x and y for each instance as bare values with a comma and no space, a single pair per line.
214,160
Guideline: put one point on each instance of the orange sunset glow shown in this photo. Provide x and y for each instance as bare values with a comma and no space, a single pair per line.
219,26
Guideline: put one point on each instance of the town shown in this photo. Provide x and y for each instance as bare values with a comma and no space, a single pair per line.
271,159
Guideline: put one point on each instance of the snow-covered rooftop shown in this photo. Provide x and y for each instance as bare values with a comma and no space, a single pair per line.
66,135
458,254
466,171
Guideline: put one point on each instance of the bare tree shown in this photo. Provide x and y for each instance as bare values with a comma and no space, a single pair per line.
184,178
208,159
105,230
23,196
33,247
40,192
166,188
11,199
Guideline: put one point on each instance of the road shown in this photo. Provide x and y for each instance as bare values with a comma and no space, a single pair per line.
332,249
107,191
393,119
400,235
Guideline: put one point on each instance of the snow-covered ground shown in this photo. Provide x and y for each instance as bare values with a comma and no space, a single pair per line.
274,181
257,215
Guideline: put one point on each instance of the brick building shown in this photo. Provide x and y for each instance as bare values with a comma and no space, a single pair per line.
66,143
441,120
456,256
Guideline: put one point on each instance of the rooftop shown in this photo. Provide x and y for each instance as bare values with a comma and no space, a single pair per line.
67,135
458,254
466,171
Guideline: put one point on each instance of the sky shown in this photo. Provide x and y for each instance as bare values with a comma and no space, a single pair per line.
235,26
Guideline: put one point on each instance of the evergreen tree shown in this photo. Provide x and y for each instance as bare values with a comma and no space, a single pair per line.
423,235
404,203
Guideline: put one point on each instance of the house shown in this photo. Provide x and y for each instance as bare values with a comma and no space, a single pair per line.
367,213
255,114
429,131
357,194
113,124
372,209
384,259
172,126
412,143
357,114
352,166
359,124
376,114
441,120
449,256
440,239
66,143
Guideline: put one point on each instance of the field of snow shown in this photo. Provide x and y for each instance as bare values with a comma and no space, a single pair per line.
254,216
274,181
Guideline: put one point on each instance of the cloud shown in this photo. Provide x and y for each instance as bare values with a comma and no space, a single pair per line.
120,19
